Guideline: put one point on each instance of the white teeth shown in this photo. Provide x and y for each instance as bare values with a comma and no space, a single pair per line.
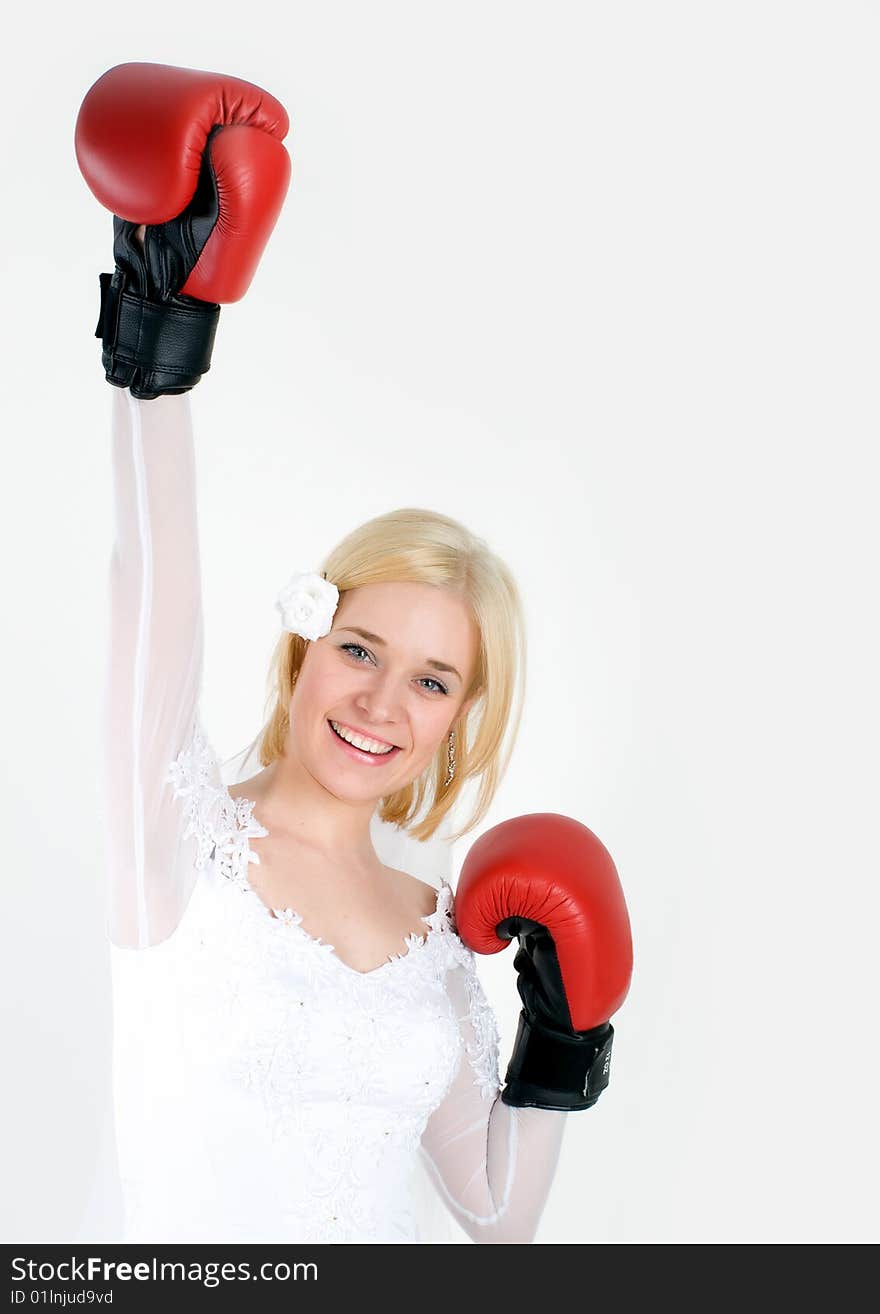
368,745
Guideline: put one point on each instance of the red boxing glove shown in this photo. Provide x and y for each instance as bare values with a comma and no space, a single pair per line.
547,879
199,158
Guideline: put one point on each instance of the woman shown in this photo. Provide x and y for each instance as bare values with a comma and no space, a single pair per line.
297,1024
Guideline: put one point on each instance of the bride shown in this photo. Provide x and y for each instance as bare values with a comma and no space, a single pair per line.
300,1035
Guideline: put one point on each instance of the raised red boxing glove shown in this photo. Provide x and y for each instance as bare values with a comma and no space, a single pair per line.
199,158
548,880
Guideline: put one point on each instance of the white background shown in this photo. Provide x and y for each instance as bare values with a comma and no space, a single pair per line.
600,280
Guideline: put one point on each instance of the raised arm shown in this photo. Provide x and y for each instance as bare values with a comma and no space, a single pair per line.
192,166
154,664
492,1163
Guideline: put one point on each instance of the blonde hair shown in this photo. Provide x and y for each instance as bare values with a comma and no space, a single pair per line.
412,545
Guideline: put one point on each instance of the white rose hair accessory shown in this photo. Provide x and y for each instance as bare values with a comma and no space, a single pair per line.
307,604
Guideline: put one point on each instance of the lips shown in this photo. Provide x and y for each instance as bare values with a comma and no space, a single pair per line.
357,730
360,754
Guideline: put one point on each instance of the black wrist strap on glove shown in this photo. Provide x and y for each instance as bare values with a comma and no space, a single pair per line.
552,1070
153,347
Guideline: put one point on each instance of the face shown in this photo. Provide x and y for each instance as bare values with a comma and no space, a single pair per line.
383,674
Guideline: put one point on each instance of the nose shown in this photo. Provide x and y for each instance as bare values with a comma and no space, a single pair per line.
379,700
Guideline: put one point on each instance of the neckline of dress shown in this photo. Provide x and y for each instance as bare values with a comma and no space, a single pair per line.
290,919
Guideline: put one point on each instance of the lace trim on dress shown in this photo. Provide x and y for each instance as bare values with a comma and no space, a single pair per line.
436,921
223,826
483,1053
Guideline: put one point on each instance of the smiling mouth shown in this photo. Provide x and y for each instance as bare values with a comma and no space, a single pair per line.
364,754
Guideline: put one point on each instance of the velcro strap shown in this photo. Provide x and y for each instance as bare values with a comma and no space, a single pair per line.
556,1070
173,337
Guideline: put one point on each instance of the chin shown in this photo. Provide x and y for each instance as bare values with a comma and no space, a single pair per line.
341,785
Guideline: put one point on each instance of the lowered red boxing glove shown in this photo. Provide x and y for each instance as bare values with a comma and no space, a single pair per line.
547,879
197,157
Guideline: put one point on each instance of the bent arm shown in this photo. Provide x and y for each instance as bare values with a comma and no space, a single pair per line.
493,1164
153,666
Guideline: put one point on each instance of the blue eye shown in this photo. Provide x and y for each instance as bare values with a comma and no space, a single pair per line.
428,679
346,647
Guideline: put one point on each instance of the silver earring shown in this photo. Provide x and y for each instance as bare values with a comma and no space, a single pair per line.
450,754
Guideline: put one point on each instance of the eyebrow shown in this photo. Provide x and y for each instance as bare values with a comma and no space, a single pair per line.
374,638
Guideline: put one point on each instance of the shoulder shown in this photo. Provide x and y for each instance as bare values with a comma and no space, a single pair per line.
218,821
477,1018
424,896
195,768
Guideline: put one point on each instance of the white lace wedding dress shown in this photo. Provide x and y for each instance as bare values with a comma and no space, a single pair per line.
265,1090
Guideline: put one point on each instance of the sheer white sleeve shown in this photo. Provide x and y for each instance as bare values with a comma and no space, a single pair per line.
492,1164
153,666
